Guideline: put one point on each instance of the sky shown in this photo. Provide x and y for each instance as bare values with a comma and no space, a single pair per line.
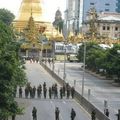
50,7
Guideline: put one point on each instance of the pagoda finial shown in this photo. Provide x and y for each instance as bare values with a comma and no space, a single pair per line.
31,7
31,11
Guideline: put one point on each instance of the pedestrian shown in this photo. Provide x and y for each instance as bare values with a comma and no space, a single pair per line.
93,115
20,92
72,92
57,111
34,113
73,114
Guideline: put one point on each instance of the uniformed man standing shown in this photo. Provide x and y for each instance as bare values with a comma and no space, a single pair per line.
93,115
20,92
57,111
73,114
72,92
34,113
34,91
68,92
45,92
26,92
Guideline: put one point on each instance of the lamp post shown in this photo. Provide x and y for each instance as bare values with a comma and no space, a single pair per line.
64,74
53,51
65,35
84,57
41,54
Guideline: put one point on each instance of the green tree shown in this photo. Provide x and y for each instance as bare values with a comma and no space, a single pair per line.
6,16
113,62
11,72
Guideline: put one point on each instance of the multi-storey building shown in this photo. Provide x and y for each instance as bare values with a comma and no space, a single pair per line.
76,10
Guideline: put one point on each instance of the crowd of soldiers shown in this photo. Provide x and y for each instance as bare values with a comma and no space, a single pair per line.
64,91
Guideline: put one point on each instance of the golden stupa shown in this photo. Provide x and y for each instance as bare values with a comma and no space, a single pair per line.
34,6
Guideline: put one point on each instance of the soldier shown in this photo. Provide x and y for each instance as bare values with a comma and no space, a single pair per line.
50,92
26,92
61,93
57,113
107,112
45,92
34,91
55,91
44,85
13,117
20,92
72,92
39,91
93,115
73,114
34,113
68,92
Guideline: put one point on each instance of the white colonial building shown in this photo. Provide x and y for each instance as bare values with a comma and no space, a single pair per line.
107,24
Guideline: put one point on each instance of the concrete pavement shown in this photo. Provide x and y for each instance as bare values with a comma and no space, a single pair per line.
46,107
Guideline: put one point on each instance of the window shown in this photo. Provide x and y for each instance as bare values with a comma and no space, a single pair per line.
107,4
108,28
92,3
103,27
107,10
116,28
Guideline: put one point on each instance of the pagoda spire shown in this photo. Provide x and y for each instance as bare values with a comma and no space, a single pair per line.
25,10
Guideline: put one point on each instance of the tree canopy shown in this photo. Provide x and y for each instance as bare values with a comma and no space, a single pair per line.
6,16
98,58
11,72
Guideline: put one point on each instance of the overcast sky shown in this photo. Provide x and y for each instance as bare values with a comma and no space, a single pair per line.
50,7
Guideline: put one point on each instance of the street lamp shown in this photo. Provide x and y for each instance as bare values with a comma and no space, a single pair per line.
65,35
64,74
84,57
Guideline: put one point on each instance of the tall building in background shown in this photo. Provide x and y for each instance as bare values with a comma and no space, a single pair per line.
77,10
118,6
73,15
99,5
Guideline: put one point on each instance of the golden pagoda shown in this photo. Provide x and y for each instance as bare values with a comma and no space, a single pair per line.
25,13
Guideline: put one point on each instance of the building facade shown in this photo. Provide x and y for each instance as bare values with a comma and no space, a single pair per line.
77,10
107,24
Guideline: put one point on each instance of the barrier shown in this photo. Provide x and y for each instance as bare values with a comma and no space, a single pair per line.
89,107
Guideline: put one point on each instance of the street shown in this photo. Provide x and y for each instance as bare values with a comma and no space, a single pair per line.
100,90
46,107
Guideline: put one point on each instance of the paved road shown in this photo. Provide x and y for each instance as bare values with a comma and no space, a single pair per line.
100,89
46,107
